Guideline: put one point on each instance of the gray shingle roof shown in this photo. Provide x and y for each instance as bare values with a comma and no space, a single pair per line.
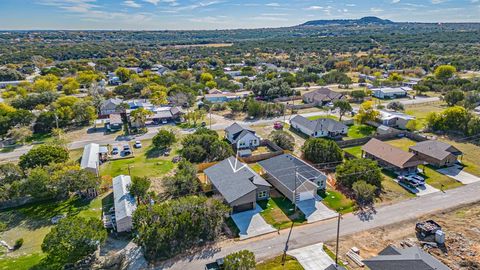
234,128
320,124
412,258
233,182
435,149
282,167
324,95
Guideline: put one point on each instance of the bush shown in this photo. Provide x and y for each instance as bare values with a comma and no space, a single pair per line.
18,243
3,226
319,150
359,169
283,139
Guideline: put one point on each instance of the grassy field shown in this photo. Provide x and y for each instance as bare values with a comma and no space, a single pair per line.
145,163
337,201
403,143
276,264
32,223
421,111
331,116
471,155
279,212
355,150
360,131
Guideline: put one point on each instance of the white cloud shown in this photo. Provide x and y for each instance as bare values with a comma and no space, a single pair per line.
350,5
375,10
395,1
132,4
154,2
314,8
274,14
438,1
272,5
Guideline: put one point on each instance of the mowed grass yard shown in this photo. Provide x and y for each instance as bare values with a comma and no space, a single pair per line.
355,150
279,212
359,131
337,201
331,116
421,111
471,154
144,163
276,264
32,223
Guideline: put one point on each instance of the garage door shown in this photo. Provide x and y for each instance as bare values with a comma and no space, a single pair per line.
243,207
307,195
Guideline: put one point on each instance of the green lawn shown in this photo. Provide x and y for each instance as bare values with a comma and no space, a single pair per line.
323,116
145,163
337,201
32,223
403,143
391,191
355,150
421,111
276,264
471,155
360,131
436,179
280,212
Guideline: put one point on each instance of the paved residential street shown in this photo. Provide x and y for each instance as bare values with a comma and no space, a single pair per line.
271,245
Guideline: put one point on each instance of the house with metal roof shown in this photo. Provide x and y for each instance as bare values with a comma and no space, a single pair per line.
321,127
91,158
241,137
395,119
436,153
238,184
124,203
389,93
414,258
293,177
391,158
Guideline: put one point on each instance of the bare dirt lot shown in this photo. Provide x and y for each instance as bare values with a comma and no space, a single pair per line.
462,228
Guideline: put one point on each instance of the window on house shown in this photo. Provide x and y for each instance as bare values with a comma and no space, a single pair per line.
262,194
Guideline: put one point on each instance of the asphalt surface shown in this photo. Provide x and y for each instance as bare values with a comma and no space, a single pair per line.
273,244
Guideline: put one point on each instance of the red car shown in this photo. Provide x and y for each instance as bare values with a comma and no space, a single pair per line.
278,125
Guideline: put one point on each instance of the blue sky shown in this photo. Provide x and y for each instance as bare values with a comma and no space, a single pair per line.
219,14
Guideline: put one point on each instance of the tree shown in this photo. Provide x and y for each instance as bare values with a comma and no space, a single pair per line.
20,134
319,150
367,112
70,86
219,150
358,95
359,169
413,125
241,260
452,119
283,139
43,85
194,153
343,106
70,178
166,229
84,112
140,116
139,187
38,184
73,239
206,77
123,74
364,192
396,106
454,97
184,181
163,139
445,72
236,106
43,155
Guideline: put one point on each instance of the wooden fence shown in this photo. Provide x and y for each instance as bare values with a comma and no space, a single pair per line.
277,150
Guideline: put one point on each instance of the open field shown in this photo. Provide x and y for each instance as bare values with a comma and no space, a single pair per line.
32,223
471,154
403,143
460,226
421,111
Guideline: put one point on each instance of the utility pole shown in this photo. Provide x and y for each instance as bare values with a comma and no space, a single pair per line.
338,238
129,170
284,257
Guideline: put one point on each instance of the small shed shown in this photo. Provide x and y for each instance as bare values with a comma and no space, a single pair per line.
91,158
124,202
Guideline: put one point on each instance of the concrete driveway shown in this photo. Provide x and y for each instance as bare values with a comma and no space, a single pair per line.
251,223
420,190
456,172
312,257
315,210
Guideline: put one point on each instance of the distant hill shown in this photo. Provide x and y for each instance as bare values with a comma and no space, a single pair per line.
362,21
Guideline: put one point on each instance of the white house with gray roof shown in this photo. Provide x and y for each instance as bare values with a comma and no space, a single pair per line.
318,128
241,137
91,158
238,184
124,203
303,185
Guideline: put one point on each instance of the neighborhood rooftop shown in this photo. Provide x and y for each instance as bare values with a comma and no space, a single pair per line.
390,154
436,149
124,202
234,179
320,124
282,167
90,158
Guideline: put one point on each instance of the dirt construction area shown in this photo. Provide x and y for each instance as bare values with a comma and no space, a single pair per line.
462,245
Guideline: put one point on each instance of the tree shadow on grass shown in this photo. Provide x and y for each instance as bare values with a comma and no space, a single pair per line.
153,152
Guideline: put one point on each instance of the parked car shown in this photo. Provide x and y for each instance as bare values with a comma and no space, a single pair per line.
126,150
278,125
115,150
126,147
408,180
418,178
138,144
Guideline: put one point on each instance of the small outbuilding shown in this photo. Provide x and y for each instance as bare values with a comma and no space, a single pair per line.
124,203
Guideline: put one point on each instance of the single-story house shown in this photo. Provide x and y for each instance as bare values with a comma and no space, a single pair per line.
241,137
238,184
303,185
114,122
219,97
395,119
414,258
159,69
391,158
166,114
436,153
322,96
124,203
92,158
110,106
389,92
321,127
